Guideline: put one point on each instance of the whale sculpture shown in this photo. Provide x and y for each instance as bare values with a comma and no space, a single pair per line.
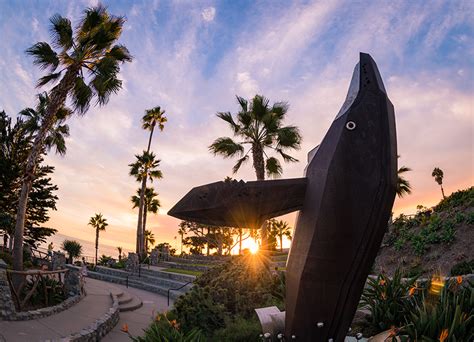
344,203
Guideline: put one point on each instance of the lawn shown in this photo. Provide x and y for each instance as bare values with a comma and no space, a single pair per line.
180,271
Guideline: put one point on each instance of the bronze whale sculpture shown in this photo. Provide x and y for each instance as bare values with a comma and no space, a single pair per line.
344,203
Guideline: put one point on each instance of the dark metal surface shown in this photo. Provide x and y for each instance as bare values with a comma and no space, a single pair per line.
240,204
351,188
345,202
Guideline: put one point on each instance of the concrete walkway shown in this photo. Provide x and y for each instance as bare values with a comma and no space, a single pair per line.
139,319
55,327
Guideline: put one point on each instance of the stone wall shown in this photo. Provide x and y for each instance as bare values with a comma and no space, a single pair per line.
100,327
7,306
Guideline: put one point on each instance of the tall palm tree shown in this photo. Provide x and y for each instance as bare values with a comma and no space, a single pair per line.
182,231
120,249
403,185
259,126
98,222
146,167
150,203
438,176
85,65
149,239
279,229
150,120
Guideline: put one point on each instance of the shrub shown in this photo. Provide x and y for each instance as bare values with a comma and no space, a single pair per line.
73,249
165,329
104,260
51,287
389,300
448,316
463,267
419,244
239,330
7,257
470,218
462,198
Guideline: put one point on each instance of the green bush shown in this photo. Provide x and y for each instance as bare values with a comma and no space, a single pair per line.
470,218
51,287
7,257
239,330
165,329
448,316
463,267
104,259
389,300
462,198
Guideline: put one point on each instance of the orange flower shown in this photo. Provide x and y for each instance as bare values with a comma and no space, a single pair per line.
174,324
125,328
157,318
393,331
459,279
382,282
412,291
444,335
384,296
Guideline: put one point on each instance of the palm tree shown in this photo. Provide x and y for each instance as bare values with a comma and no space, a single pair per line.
119,249
403,185
73,249
85,65
146,167
260,126
280,229
150,120
99,223
182,231
438,176
149,239
151,204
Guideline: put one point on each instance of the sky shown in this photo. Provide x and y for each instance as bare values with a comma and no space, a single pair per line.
192,58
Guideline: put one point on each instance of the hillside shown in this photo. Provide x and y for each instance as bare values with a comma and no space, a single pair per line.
438,239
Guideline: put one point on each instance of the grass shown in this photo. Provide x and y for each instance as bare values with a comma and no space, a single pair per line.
180,271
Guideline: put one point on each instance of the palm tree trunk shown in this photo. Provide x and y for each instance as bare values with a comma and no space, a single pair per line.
208,233
240,241
57,99
259,166
281,243
96,243
442,191
140,231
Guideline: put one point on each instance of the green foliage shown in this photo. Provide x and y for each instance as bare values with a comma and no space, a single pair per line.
458,199
448,316
388,300
166,329
7,257
239,330
228,291
52,288
463,267
104,260
73,249
119,264
470,218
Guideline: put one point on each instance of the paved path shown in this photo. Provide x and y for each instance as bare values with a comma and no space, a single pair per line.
79,316
139,319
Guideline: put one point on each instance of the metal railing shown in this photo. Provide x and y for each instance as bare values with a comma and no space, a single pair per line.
177,289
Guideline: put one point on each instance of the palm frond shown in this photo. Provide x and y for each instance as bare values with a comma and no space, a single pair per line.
81,96
239,163
226,147
259,107
48,78
286,157
280,109
44,56
273,167
227,117
119,53
289,137
61,32
105,86
243,103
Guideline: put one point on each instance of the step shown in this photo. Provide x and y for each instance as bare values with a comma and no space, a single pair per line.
190,267
145,271
159,289
125,298
145,278
133,304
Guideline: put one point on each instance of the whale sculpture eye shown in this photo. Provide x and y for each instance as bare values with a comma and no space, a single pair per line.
350,125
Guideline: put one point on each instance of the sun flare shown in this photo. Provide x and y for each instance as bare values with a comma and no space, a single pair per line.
253,248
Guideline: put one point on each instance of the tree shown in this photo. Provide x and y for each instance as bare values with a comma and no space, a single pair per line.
150,203
98,222
403,185
438,176
182,231
88,63
152,117
119,249
15,142
279,229
260,126
146,166
72,248
149,239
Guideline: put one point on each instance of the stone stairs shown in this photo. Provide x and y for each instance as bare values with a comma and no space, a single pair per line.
152,280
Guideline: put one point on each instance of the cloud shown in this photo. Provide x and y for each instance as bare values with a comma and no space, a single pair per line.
208,14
